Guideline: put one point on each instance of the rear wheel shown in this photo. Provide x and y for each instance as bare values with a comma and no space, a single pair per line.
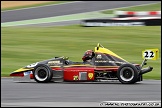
127,74
42,73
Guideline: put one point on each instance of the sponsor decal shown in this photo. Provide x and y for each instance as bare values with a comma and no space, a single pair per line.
99,56
27,73
108,61
32,65
75,77
90,75
54,62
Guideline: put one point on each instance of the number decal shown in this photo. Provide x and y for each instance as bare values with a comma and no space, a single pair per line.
150,54
146,54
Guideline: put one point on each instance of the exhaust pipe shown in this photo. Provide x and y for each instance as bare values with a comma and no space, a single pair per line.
145,70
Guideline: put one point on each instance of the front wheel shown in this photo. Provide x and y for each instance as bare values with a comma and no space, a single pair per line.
127,74
42,73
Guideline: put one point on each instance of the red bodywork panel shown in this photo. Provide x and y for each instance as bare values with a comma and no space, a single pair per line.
79,74
76,73
21,74
31,76
85,73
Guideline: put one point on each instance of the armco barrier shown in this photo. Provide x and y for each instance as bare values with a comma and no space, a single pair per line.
121,22
122,14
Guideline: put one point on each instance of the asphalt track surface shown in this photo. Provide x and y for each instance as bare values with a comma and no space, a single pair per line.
79,94
32,94
65,9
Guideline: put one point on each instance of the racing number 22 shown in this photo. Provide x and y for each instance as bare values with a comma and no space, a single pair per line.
150,54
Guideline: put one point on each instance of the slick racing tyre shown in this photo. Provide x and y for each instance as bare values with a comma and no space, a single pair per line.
127,74
42,73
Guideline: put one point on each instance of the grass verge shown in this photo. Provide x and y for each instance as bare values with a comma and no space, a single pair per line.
34,5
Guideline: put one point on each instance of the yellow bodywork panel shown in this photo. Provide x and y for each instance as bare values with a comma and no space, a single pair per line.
101,49
22,69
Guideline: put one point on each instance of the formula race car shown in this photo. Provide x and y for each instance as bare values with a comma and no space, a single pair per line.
105,65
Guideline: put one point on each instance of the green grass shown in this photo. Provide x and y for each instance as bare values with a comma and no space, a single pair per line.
26,45
34,5
149,7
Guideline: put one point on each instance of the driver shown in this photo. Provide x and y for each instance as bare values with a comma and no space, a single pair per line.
88,55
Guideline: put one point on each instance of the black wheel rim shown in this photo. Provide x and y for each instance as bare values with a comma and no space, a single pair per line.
126,73
42,73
